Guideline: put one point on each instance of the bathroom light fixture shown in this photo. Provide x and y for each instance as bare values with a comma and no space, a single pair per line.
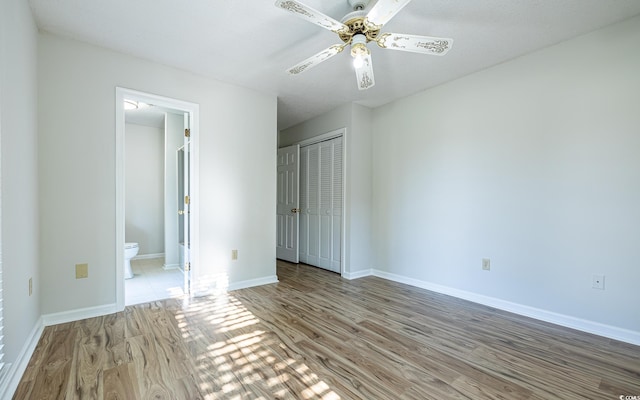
134,105
130,105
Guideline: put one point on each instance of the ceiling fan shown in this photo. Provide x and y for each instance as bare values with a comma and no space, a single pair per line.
358,28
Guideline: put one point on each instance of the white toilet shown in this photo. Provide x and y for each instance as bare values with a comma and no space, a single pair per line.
130,251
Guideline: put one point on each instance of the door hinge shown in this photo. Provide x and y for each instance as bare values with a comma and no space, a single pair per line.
187,200
187,132
187,267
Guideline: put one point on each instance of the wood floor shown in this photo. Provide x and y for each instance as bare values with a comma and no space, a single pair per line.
317,336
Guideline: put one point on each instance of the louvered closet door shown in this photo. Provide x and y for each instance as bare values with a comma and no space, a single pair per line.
336,237
321,204
309,218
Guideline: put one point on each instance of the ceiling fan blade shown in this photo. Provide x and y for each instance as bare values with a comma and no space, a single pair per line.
316,59
364,73
311,15
416,44
384,10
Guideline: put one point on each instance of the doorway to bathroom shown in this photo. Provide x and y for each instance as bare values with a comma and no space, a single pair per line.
156,235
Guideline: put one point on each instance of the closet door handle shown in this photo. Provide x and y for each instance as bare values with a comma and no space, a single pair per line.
295,210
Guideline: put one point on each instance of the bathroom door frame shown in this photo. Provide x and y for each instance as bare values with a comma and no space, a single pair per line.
193,110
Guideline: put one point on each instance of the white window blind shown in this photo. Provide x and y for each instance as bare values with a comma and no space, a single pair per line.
1,303
1,321
2,366
1,312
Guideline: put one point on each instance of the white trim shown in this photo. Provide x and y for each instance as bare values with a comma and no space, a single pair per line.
120,240
148,256
357,274
78,314
344,267
171,266
194,114
253,282
217,284
16,370
596,328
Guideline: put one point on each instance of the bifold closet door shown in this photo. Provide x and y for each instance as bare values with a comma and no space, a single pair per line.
321,204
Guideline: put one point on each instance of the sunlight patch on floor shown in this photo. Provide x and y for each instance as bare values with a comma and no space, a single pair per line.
244,362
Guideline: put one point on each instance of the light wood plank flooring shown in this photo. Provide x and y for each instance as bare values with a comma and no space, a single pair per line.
317,336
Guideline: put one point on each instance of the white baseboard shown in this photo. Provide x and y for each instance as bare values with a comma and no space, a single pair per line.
217,284
357,274
148,256
596,328
253,282
15,370
78,314
171,266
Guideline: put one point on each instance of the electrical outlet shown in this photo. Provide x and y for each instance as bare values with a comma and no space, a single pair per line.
234,254
82,271
598,282
486,264
30,286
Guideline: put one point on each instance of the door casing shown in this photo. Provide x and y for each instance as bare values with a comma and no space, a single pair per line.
193,110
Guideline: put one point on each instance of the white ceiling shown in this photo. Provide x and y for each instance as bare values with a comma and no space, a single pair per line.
146,117
252,43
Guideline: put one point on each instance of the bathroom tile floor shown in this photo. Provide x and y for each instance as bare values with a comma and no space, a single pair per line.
152,282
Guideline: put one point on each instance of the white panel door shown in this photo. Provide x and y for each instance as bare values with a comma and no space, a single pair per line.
287,203
185,217
321,204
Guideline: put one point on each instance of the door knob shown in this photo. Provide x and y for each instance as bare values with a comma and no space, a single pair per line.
295,210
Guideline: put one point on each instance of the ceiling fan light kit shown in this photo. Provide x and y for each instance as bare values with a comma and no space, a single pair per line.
358,28
359,49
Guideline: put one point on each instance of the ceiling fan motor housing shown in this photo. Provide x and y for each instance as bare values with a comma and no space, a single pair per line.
357,5
357,23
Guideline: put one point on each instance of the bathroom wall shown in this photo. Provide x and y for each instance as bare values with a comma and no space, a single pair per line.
144,188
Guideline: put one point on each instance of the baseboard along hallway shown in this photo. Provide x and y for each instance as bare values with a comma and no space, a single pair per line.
317,335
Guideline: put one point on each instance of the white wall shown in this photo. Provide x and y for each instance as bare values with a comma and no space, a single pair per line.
357,120
77,167
534,164
144,188
18,129
174,134
359,192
